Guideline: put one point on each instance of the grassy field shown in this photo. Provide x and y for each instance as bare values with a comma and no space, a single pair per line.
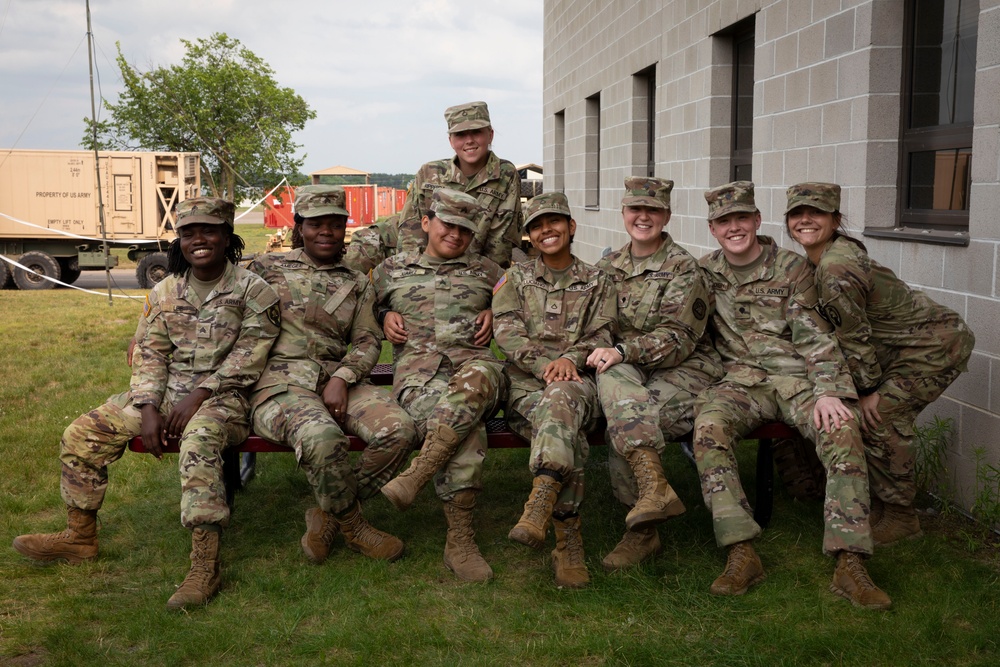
63,353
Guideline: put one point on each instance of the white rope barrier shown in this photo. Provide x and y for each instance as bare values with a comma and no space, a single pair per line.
59,282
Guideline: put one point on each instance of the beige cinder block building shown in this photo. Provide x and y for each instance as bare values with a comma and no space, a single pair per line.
896,100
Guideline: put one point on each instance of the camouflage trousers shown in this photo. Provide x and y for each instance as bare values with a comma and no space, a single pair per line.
726,412
460,401
299,418
644,409
556,419
889,446
98,438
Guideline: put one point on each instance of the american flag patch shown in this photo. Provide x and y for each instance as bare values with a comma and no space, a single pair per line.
500,283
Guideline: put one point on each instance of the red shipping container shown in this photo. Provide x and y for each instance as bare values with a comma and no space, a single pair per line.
278,208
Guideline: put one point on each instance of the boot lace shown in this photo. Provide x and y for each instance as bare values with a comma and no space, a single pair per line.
856,569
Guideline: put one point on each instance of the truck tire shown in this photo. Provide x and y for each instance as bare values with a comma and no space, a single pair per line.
151,269
70,267
6,276
40,263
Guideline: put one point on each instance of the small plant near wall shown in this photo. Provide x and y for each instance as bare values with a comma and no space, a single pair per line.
930,469
986,506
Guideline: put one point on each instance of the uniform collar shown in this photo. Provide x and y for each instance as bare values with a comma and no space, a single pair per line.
489,172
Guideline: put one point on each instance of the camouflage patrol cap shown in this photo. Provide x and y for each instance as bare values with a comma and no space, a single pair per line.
469,116
735,197
647,191
206,210
547,202
312,201
824,196
457,208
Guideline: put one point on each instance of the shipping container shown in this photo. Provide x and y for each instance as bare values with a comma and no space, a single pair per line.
49,211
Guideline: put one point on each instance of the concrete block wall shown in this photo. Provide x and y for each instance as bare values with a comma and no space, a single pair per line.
827,86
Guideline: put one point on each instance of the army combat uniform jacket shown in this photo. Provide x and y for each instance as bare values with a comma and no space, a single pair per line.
220,345
439,302
536,320
324,309
372,244
662,309
769,328
885,328
497,187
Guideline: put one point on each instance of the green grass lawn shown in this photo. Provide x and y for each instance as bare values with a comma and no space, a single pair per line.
63,353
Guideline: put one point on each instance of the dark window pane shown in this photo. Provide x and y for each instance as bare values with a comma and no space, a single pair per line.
743,136
742,173
944,62
940,180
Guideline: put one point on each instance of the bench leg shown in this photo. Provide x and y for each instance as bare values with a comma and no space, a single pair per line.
765,483
248,468
231,474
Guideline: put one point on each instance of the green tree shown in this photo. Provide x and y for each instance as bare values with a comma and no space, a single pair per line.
223,101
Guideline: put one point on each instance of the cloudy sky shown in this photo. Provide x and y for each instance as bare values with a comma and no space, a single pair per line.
378,73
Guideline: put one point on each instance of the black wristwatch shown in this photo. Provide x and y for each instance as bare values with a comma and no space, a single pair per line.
620,349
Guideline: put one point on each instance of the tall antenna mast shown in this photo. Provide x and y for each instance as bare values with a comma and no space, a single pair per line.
97,157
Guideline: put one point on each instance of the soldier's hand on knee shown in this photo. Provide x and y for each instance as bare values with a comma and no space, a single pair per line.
484,328
153,433
182,413
560,370
335,398
829,413
870,418
604,358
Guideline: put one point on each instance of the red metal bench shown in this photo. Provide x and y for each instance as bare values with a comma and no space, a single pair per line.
239,462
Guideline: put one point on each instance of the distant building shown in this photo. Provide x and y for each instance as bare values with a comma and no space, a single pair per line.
898,101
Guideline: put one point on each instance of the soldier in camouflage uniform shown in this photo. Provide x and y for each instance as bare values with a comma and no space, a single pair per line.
476,170
661,361
445,375
550,313
371,245
782,363
314,390
202,342
903,350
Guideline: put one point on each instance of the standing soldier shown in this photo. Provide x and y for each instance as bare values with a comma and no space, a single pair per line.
782,363
445,375
314,388
550,313
202,342
371,245
662,360
476,170
903,349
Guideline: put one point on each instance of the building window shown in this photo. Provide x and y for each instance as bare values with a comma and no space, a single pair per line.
742,121
939,70
592,151
559,152
644,122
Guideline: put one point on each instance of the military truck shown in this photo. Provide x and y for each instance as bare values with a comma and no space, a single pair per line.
49,219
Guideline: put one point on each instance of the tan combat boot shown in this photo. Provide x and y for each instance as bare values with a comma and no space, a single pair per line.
76,544
743,570
657,499
439,446
635,547
461,555
367,540
851,581
205,576
898,522
321,528
534,523
567,558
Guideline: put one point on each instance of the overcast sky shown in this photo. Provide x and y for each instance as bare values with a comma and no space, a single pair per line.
378,73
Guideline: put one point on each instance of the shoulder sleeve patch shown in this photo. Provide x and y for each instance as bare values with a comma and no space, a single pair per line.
500,283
